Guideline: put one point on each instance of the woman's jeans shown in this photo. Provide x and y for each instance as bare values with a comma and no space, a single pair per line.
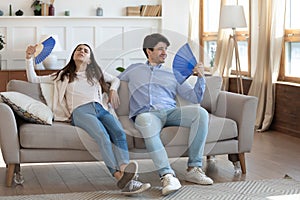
106,130
151,123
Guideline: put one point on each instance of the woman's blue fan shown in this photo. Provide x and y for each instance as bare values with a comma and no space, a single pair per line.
184,63
44,49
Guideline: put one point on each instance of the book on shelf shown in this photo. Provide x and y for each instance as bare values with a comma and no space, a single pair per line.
151,10
133,11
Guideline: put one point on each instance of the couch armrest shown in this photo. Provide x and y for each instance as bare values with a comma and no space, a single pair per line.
242,109
9,139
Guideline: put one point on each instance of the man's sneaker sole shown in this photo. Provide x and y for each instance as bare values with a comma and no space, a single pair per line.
130,172
165,193
200,182
144,187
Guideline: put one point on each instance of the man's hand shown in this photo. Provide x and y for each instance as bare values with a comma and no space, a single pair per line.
30,51
199,70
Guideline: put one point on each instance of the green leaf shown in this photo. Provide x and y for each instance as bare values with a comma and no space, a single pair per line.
120,69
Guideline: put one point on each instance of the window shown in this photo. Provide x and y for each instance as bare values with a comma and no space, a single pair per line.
290,65
210,21
290,62
210,10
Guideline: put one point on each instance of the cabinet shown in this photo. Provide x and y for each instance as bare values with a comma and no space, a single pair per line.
3,81
7,75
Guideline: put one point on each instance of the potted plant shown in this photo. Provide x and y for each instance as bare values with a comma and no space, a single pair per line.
2,43
37,7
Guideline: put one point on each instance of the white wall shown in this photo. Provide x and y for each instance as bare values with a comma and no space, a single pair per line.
175,12
174,22
176,15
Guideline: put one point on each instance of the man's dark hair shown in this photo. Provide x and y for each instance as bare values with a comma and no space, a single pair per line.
152,40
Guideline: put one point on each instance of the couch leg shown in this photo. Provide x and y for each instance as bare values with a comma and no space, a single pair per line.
10,174
242,162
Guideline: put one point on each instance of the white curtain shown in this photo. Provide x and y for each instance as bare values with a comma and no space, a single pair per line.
267,31
268,48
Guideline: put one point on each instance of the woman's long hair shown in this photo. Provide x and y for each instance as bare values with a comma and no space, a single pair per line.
93,71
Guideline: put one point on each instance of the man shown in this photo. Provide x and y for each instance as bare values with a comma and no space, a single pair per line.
153,89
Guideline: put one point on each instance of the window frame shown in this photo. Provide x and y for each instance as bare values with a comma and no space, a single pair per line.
213,36
290,35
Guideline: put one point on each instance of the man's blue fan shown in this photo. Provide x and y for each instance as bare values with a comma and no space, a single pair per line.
184,63
44,49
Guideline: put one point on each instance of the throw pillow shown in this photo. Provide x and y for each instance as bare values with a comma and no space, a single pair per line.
28,108
47,92
210,97
212,90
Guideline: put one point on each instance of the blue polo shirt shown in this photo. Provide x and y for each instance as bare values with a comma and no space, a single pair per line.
155,88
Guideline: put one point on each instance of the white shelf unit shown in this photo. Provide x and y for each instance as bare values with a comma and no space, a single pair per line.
117,41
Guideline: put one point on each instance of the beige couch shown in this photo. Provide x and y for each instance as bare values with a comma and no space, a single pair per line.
231,129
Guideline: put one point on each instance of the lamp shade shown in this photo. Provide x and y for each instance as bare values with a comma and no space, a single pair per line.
232,16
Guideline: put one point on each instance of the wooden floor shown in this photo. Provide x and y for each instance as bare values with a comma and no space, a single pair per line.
273,156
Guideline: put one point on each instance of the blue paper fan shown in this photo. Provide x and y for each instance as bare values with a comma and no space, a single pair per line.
44,49
184,63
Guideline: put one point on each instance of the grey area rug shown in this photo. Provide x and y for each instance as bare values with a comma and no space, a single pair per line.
273,189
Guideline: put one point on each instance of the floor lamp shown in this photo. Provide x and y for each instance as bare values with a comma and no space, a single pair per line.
232,16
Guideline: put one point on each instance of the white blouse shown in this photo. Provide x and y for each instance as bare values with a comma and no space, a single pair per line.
77,93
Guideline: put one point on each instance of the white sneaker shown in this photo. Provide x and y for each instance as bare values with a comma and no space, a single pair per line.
196,175
170,184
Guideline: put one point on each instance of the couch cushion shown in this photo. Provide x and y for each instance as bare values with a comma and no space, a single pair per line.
219,129
31,89
58,136
123,92
128,126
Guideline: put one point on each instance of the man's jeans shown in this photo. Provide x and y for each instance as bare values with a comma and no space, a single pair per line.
105,129
151,123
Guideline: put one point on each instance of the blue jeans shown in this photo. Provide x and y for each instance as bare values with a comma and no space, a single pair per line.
151,123
107,132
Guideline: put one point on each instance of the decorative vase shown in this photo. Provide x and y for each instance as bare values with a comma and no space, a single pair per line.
19,13
10,10
45,9
50,63
99,11
51,10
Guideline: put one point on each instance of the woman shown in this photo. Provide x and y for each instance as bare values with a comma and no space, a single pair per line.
78,92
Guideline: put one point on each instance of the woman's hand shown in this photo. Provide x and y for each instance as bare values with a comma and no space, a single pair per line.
30,51
199,70
113,99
